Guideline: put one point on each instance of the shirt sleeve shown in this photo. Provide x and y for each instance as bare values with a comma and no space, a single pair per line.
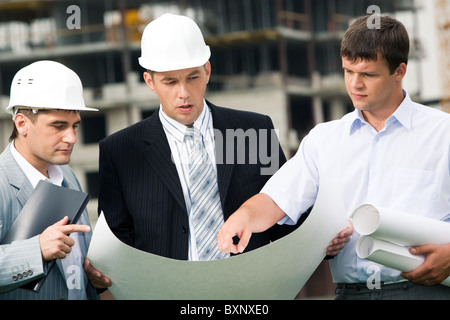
294,186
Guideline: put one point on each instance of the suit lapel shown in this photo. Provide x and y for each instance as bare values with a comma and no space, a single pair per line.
224,170
16,177
158,155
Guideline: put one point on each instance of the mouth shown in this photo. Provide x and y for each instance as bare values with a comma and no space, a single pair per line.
185,108
65,151
358,96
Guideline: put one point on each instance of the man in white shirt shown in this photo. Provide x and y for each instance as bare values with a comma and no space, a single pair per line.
46,100
389,151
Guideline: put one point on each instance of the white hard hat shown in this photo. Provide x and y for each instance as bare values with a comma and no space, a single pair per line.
173,42
47,85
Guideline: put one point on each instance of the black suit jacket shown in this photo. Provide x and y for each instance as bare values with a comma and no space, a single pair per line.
141,194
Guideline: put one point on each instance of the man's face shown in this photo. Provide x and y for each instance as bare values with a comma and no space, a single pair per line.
50,140
371,86
181,92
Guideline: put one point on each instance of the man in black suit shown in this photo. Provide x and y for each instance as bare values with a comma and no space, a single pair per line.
144,188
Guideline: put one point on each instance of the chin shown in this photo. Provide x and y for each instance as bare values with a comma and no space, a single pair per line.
61,161
360,107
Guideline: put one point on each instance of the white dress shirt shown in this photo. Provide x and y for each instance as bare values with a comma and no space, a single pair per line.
180,148
75,257
405,166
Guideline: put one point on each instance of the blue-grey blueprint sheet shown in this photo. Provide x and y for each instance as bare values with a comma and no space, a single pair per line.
276,271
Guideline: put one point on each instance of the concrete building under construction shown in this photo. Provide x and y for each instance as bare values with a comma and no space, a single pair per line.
277,57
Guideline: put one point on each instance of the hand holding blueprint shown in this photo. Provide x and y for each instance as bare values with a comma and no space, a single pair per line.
276,271
386,235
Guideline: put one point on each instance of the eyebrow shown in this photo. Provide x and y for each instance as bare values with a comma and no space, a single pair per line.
64,122
193,73
363,72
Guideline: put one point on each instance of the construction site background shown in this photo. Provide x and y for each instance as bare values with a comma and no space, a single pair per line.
277,57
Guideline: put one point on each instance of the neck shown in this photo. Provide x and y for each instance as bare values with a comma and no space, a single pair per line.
377,117
41,167
376,120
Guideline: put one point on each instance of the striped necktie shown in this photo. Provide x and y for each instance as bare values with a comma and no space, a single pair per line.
206,209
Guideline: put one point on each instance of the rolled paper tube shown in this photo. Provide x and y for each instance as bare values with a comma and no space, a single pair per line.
399,227
389,254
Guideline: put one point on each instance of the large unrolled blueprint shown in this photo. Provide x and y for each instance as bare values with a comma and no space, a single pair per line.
387,234
276,271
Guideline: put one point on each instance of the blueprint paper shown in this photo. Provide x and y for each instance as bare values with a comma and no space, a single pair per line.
387,234
389,254
276,271
399,227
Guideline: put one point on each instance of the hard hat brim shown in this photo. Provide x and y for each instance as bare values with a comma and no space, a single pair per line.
10,108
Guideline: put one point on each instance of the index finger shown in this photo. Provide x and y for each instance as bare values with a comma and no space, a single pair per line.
225,243
418,275
71,228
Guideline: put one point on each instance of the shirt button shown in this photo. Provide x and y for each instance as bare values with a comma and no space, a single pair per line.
185,229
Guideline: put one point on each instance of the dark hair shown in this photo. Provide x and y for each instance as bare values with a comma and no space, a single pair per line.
151,72
390,39
30,115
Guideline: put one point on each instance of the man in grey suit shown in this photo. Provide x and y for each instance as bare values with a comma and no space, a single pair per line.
46,100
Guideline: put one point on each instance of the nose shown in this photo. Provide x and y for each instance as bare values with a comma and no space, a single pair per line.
70,136
356,81
183,91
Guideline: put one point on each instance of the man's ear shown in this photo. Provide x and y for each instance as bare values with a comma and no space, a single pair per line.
21,122
149,80
208,71
400,72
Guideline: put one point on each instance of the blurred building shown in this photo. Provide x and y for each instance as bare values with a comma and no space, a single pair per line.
277,57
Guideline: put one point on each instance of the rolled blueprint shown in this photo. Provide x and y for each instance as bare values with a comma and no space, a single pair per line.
399,227
389,254
386,235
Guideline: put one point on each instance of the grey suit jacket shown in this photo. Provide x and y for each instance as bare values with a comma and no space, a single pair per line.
24,257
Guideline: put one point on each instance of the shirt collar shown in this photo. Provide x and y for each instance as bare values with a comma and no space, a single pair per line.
178,130
34,176
402,114
356,121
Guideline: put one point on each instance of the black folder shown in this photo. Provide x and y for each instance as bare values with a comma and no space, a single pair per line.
47,205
